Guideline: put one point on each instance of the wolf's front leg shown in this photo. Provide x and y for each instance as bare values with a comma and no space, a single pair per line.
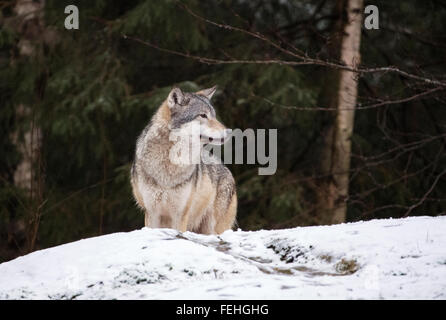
207,225
161,221
146,219
165,220
183,223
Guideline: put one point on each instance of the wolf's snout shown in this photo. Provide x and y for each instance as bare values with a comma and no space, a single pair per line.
213,140
214,132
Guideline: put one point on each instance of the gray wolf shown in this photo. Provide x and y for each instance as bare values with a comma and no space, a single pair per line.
183,195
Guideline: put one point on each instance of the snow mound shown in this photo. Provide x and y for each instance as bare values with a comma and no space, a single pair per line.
378,259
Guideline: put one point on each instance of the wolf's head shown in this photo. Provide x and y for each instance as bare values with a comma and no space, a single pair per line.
193,114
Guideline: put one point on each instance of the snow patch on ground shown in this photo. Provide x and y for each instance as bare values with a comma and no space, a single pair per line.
378,259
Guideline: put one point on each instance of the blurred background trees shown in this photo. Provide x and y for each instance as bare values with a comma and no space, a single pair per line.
72,103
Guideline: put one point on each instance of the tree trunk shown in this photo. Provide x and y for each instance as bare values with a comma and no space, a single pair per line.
339,91
29,26
328,97
346,102
27,137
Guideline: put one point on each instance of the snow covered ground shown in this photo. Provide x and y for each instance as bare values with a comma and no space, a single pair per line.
379,259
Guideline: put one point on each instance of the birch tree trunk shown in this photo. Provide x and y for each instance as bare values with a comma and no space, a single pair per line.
328,98
28,136
329,95
28,141
338,186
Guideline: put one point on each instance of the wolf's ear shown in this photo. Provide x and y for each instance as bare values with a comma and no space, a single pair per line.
176,96
208,93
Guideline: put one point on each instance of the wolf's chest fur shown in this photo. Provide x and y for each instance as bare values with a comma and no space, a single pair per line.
185,204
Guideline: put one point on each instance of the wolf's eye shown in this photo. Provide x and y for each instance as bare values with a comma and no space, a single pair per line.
203,115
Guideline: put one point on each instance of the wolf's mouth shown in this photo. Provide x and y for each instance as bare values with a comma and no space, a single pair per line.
210,139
